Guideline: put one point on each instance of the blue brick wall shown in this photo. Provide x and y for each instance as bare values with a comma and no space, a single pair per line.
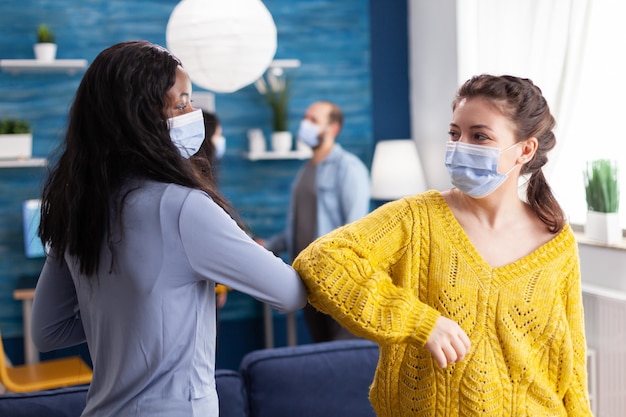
329,37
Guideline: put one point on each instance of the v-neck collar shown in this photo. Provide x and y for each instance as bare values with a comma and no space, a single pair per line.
537,257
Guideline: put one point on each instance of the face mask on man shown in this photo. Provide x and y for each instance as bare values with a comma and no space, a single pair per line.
473,169
187,132
219,145
308,133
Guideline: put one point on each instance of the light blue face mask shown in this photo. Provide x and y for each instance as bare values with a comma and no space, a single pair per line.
473,169
219,143
187,132
308,133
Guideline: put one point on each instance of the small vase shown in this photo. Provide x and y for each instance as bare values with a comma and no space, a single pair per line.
282,142
603,227
45,51
16,146
256,141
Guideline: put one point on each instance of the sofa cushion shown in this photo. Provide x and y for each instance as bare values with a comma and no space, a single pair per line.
322,379
231,393
70,402
62,402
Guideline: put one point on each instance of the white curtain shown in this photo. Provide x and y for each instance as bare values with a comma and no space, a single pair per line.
593,127
575,51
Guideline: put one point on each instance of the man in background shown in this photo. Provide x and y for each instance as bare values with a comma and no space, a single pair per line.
330,190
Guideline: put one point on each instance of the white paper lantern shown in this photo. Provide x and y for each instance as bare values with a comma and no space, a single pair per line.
223,44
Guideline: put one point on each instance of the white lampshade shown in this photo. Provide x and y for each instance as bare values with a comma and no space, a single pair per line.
396,170
223,44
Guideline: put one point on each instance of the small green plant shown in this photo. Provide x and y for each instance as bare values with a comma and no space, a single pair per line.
44,34
14,126
602,186
275,88
278,103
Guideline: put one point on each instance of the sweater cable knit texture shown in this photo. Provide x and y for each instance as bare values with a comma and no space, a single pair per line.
389,276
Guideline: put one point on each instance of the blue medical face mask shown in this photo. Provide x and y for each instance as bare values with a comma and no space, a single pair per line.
473,169
219,145
309,133
187,132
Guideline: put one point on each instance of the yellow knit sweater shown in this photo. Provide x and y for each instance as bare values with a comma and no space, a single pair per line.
390,275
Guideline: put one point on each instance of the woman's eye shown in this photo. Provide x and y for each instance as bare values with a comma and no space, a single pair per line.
480,137
454,136
182,106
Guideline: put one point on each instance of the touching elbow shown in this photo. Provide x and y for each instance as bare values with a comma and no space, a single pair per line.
296,299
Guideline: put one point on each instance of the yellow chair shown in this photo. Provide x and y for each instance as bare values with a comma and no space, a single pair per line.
50,374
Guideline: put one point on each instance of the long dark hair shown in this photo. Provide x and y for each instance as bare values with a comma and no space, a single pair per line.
523,103
117,130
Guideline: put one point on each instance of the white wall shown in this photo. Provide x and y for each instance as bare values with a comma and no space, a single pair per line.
433,82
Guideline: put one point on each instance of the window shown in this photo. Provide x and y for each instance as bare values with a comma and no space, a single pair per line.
575,51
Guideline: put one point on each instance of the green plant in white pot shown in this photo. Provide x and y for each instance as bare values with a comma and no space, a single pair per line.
602,195
275,88
45,48
16,139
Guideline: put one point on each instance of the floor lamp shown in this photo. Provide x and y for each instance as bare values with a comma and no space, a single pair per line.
396,170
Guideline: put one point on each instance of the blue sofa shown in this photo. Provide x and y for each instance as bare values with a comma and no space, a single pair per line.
316,380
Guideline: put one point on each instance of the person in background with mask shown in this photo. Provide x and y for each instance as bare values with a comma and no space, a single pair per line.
329,191
472,294
212,149
138,238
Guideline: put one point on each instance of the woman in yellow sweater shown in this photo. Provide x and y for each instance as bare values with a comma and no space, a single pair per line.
472,294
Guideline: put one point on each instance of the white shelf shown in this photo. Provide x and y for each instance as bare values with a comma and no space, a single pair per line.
285,63
256,156
23,163
69,66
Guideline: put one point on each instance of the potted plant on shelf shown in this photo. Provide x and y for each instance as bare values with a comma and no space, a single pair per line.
602,194
45,48
274,86
16,139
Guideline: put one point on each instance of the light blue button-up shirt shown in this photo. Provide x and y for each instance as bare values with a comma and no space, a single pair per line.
343,196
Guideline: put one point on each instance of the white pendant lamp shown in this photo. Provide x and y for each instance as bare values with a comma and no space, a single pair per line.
223,44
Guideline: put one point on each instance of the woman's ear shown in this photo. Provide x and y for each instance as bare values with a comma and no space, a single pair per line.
529,147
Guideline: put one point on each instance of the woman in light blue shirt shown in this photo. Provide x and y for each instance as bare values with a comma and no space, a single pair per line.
138,240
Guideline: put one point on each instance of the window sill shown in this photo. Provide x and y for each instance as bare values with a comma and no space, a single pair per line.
602,266
582,239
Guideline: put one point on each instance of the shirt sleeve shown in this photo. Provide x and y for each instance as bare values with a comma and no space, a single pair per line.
576,397
56,320
361,274
219,250
355,191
